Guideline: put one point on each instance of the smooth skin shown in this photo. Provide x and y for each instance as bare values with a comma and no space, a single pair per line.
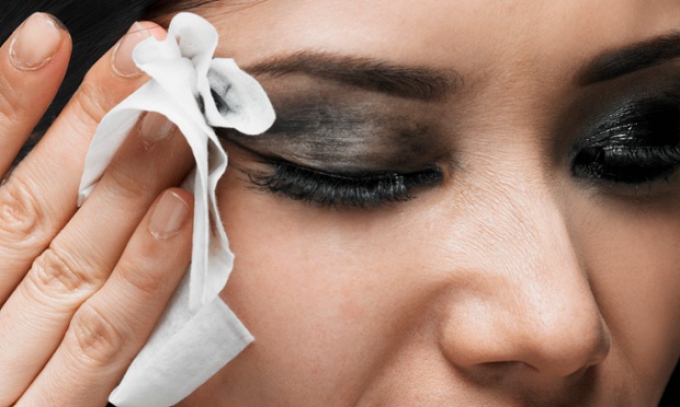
81,289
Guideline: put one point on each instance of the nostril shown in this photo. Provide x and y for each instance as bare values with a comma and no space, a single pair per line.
494,374
512,373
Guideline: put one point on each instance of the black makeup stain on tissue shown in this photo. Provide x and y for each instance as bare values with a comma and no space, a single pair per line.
220,101
200,102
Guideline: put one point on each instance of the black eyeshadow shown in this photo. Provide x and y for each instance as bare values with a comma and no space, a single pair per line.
649,121
638,142
343,137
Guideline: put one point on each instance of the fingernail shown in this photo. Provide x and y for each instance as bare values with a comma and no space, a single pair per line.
154,127
168,216
36,42
122,61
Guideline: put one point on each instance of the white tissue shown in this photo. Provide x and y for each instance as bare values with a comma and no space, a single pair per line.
198,333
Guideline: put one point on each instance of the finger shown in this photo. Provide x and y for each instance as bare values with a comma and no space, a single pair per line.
33,62
40,196
110,329
81,257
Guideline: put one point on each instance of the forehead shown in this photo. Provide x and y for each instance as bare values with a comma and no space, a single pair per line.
480,37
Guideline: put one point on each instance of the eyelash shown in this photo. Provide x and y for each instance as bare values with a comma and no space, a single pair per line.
640,145
369,190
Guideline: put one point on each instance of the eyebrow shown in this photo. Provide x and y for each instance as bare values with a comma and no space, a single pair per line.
418,83
616,63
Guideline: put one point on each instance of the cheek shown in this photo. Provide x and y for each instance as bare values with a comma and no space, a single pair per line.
632,255
321,290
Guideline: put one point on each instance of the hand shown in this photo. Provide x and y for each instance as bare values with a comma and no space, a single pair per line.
81,289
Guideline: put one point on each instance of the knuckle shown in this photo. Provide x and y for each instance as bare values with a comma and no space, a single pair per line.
89,102
144,274
56,273
93,338
22,218
9,110
127,184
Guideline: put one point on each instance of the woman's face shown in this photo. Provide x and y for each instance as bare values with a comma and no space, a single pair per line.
486,212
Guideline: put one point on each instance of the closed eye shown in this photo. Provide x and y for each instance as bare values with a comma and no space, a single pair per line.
357,190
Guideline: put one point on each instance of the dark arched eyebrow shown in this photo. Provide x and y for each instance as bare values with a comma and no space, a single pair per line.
420,83
616,63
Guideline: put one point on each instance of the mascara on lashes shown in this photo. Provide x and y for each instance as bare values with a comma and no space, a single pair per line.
639,142
344,191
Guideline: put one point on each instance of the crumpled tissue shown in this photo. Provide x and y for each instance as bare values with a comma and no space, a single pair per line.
198,333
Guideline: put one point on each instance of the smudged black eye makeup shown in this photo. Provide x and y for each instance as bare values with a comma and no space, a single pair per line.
347,153
637,143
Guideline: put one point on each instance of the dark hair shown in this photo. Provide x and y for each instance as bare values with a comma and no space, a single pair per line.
95,26
672,392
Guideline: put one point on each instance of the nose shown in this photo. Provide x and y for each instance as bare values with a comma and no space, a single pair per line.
527,300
